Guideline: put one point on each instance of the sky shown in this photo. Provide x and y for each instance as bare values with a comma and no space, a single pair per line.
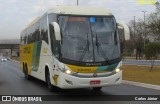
16,14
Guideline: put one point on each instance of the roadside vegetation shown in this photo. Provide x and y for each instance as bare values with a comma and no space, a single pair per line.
151,52
143,31
144,44
142,74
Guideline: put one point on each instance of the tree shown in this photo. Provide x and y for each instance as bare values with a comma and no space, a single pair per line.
153,25
152,51
157,5
137,36
143,32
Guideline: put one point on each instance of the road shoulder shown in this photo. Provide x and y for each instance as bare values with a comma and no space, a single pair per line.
155,87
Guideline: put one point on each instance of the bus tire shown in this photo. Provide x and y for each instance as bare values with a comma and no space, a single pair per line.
26,75
97,88
50,86
48,80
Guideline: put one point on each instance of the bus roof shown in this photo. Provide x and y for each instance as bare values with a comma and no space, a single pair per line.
74,10
79,10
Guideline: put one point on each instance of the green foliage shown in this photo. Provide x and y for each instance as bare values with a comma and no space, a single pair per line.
157,5
151,51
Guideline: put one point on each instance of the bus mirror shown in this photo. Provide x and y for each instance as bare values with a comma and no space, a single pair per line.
57,30
125,33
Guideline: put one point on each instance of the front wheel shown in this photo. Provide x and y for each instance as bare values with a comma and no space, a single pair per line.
50,86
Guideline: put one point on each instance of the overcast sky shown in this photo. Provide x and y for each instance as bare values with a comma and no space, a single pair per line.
16,14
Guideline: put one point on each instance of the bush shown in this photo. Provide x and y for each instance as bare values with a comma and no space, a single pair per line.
152,51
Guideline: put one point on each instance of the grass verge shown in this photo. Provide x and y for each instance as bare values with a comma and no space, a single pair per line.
141,74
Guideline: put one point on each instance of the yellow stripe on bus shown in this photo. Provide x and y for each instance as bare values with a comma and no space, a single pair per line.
26,55
82,69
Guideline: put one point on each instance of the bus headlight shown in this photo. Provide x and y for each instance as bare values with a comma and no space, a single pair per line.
117,70
67,71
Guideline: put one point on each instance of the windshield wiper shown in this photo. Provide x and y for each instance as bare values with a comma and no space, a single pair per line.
85,50
102,51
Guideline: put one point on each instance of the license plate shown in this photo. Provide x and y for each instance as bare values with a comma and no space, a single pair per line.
95,82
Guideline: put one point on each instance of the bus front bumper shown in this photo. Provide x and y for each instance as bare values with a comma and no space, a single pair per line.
66,81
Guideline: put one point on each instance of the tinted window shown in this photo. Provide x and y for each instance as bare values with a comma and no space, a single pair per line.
44,30
54,42
22,37
33,33
37,31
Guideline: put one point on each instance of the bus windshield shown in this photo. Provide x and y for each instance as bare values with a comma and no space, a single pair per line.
89,38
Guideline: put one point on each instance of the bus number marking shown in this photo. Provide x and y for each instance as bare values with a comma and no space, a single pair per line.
81,70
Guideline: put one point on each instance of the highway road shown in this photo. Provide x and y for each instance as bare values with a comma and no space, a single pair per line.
140,62
12,82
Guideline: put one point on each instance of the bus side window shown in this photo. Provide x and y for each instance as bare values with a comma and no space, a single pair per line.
37,32
23,37
30,38
44,30
54,42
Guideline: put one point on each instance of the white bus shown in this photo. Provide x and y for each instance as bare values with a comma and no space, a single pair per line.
73,47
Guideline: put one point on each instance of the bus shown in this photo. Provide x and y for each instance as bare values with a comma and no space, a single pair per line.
73,47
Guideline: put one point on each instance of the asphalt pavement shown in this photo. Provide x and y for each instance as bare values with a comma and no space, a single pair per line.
140,62
12,82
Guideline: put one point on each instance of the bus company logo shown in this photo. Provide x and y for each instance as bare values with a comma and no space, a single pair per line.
146,1
95,75
6,98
